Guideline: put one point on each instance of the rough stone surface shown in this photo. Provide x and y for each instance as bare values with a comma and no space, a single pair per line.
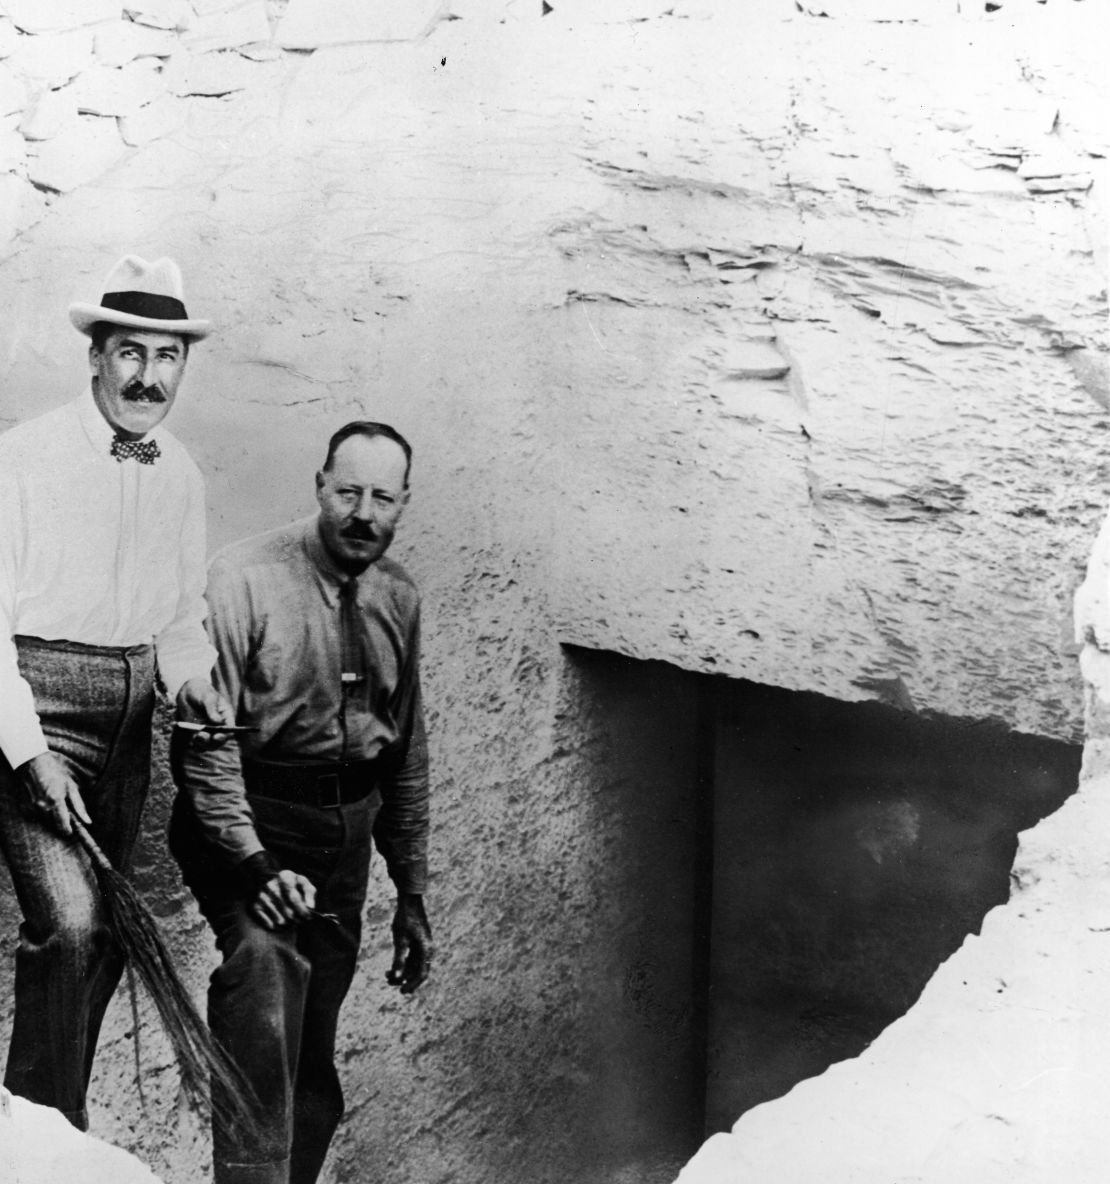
213,74
21,205
151,122
53,16
11,188
119,91
880,10
81,149
784,364
9,37
308,24
13,93
53,58
832,483
124,41
48,112
160,14
13,152
229,26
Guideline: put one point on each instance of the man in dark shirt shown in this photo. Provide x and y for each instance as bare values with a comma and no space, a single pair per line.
318,637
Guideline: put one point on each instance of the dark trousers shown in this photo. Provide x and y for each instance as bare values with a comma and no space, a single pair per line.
95,706
274,1000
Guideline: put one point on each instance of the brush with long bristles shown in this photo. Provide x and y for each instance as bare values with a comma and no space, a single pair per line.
210,1079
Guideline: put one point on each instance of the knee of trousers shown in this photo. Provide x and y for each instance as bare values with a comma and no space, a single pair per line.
264,974
77,934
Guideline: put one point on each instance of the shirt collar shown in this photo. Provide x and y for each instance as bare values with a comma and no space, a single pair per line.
329,576
98,430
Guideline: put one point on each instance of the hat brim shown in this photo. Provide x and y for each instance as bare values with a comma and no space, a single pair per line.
84,316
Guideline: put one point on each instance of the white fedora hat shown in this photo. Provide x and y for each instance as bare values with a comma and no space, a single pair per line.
141,295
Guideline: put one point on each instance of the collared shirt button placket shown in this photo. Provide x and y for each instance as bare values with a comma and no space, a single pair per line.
126,566
351,676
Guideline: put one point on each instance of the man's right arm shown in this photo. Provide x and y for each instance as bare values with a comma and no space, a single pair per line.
21,735
50,789
212,778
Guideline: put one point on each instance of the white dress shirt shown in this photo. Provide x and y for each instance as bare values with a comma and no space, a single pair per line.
96,551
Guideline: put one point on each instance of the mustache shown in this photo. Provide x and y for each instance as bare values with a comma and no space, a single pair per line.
135,392
358,530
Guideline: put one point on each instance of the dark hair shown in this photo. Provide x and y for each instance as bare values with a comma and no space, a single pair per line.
100,331
371,430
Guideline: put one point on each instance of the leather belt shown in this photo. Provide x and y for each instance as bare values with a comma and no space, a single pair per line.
325,784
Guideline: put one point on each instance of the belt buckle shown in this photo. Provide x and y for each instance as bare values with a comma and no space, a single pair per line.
328,784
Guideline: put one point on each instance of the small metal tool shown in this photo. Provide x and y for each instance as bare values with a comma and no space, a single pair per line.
188,725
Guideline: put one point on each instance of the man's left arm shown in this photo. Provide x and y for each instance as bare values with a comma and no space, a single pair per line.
401,827
185,655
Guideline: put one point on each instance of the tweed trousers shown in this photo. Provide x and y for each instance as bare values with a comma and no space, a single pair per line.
95,705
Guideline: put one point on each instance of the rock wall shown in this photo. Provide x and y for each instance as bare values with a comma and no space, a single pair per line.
761,338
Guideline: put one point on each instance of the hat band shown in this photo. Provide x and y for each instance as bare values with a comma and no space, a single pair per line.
145,304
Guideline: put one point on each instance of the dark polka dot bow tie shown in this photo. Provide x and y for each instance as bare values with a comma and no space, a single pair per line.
146,452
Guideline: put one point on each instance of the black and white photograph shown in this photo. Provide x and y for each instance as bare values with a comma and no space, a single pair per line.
554,592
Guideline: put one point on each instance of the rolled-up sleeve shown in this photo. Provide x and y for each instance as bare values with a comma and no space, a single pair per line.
21,736
401,827
212,779
182,647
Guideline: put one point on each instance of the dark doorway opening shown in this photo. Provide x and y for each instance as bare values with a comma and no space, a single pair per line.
826,857
855,846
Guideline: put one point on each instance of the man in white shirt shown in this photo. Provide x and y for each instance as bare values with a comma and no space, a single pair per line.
102,569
